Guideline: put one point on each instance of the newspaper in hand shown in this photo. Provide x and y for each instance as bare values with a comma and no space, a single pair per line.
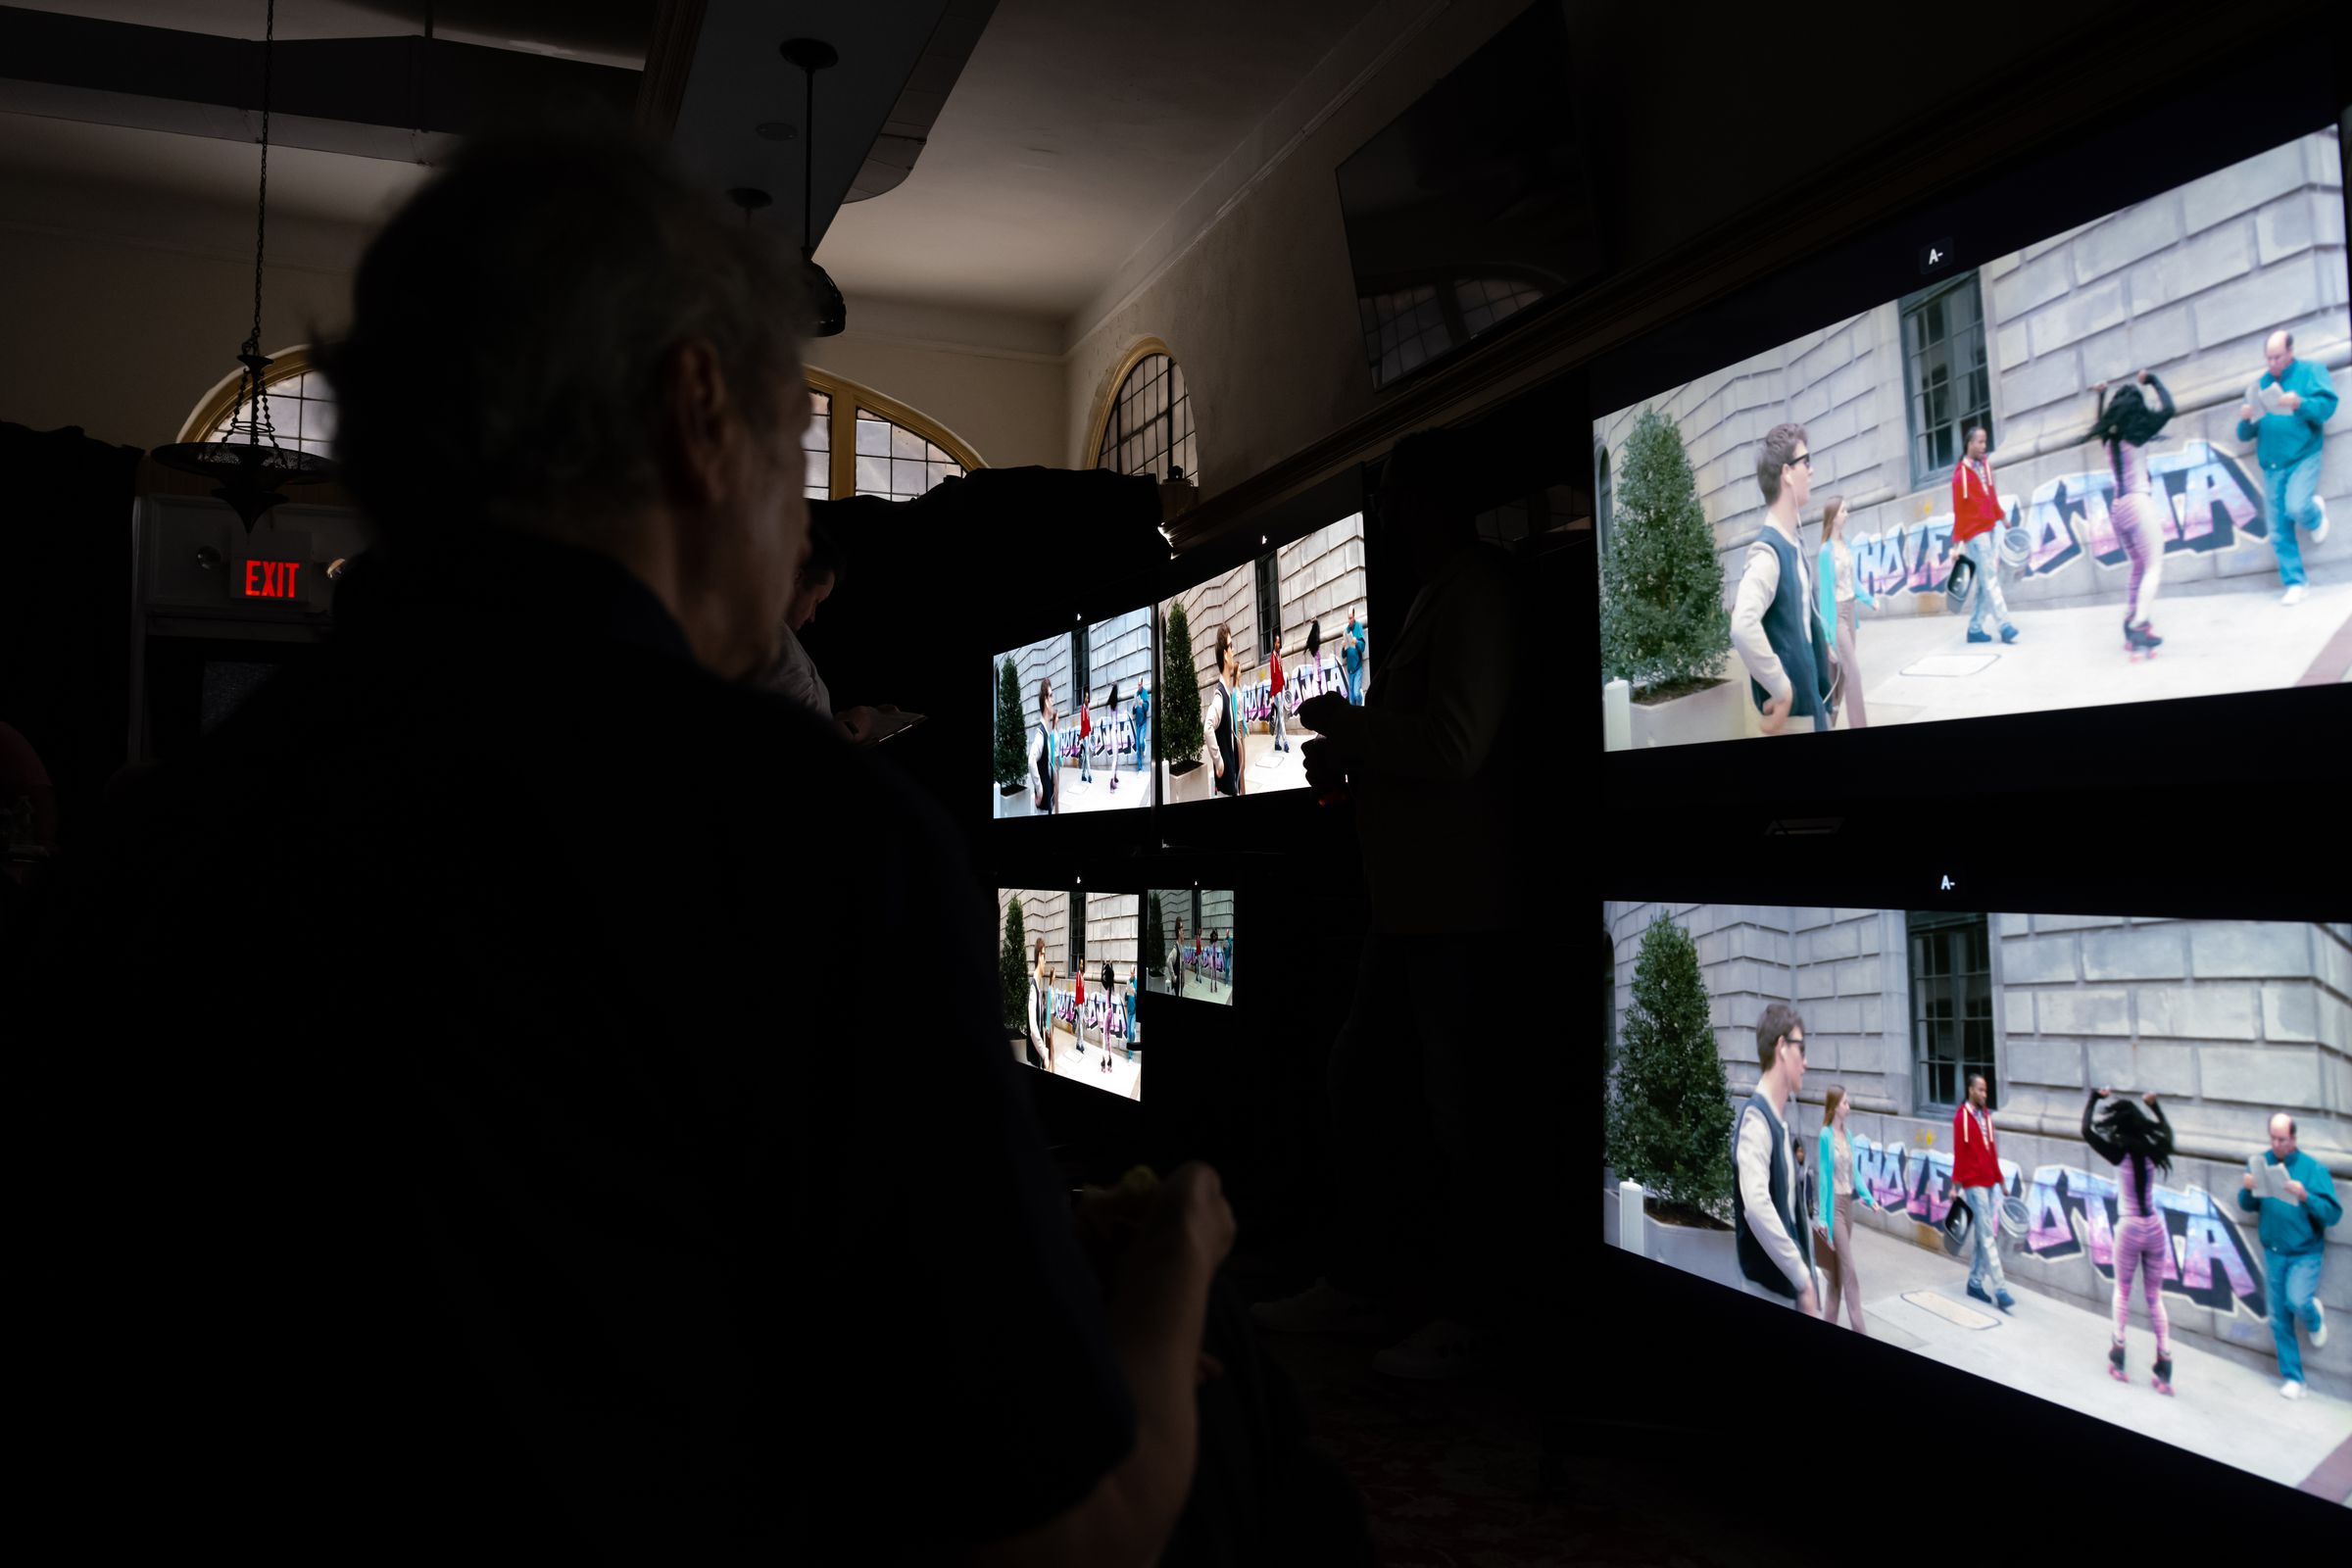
2271,399
2270,1179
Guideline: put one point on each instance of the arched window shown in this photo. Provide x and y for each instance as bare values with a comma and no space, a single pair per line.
862,443
302,412
1146,424
859,443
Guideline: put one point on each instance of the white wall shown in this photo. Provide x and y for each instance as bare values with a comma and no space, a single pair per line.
996,381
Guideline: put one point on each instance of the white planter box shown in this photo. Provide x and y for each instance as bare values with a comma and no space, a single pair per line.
1721,711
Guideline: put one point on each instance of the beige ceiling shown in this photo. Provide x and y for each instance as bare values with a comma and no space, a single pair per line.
601,32
1077,128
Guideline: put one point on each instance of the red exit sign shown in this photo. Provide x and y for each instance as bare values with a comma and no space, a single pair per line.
270,579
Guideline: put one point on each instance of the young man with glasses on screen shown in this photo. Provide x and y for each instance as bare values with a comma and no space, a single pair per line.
1768,1196
1772,622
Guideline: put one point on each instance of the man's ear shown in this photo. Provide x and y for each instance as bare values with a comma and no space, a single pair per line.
701,419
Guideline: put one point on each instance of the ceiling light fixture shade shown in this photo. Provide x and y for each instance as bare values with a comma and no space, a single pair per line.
247,462
828,313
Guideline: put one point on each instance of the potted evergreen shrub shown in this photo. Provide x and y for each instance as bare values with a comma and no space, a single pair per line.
1669,1124
1176,733
1012,733
1664,625
1013,969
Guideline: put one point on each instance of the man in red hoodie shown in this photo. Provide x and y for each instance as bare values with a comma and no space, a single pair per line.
1282,736
1977,1173
1976,512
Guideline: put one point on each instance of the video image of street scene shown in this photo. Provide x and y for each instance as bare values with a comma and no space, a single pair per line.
2100,470
2096,1159
1073,715
1241,651
1187,943
1069,984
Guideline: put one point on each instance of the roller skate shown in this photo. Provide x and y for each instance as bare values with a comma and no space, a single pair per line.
2141,642
2164,1376
2115,1364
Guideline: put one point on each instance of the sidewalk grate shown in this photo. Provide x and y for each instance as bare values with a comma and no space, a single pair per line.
1951,1311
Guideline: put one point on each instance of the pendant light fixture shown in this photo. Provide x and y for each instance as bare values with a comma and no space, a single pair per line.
827,313
247,460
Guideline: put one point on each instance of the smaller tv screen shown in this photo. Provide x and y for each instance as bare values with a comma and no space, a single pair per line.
1073,710
1187,943
1068,965
1241,651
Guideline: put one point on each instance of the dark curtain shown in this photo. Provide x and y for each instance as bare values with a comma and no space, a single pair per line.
65,607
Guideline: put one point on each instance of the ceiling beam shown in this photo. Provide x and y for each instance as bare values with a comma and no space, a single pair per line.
407,99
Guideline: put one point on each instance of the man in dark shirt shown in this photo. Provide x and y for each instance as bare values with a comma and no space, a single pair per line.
473,1159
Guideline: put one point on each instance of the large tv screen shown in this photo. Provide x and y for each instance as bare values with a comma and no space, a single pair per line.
1073,710
1187,943
1475,203
2098,470
1070,974
1242,651
2098,1159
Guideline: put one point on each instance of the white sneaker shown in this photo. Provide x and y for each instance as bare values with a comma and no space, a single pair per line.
2319,1336
2318,530
1321,1308
2293,595
2290,1390
1442,1349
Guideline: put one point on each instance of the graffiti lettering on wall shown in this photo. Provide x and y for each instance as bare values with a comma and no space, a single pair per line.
2209,503
2072,1211
1298,683
1101,1017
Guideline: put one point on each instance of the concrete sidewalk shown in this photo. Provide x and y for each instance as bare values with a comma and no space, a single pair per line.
2056,1350
1921,667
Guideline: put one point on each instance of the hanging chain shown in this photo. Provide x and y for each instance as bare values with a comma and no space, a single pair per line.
263,427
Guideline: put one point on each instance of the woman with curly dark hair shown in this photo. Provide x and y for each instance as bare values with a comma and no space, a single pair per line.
2139,1143
2125,426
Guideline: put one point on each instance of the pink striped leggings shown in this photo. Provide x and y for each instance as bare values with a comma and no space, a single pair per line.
2143,1245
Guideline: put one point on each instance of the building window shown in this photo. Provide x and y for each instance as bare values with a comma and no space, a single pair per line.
302,411
1269,602
1146,427
862,443
1082,661
1077,937
1951,1007
817,442
1947,381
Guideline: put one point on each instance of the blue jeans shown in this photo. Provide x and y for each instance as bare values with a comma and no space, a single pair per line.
1984,1202
1356,688
1988,594
2295,1284
2293,495
1085,754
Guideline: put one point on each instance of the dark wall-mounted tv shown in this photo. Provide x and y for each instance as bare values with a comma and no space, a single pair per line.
1474,204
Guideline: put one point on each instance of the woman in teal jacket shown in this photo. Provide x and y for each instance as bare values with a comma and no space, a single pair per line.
1839,1195
1840,589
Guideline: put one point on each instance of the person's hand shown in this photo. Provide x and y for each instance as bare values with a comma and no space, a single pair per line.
1316,713
2149,1098
2293,401
855,725
2294,1190
2104,1093
2246,1180
2141,379
2245,413
1191,1205
1808,1303
1776,714
2098,386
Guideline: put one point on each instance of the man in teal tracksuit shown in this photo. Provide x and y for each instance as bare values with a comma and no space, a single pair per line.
2294,1244
2287,444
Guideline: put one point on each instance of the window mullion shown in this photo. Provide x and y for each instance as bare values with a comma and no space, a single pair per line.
841,474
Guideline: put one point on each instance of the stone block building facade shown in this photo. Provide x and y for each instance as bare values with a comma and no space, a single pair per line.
2187,285
2226,1020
